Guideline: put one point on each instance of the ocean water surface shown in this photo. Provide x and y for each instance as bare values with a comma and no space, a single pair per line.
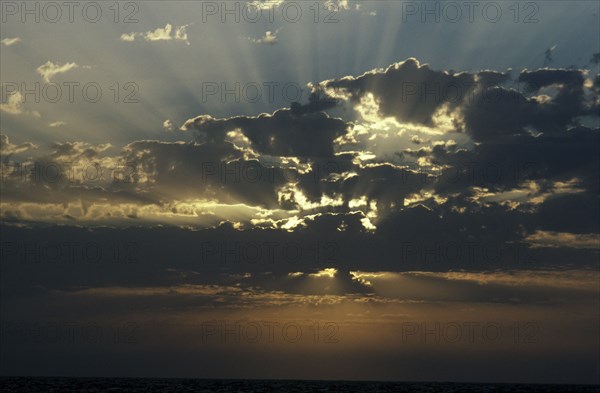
146,385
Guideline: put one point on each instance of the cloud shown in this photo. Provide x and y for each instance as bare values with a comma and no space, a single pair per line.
57,124
160,34
8,149
14,105
10,41
328,272
561,239
396,174
337,4
168,125
49,70
266,4
269,38
548,55
77,151
128,37
168,33
409,91
283,133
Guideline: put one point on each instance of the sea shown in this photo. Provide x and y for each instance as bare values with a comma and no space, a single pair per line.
151,385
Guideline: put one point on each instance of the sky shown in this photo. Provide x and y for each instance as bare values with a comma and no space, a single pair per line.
373,190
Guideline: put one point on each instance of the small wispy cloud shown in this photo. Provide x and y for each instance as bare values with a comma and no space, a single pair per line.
128,37
168,33
337,4
266,4
358,7
10,41
168,125
549,239
49,70
57,124
548,59
269,38
7,148
14,105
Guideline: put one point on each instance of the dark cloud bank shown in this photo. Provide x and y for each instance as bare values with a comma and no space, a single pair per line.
510,184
